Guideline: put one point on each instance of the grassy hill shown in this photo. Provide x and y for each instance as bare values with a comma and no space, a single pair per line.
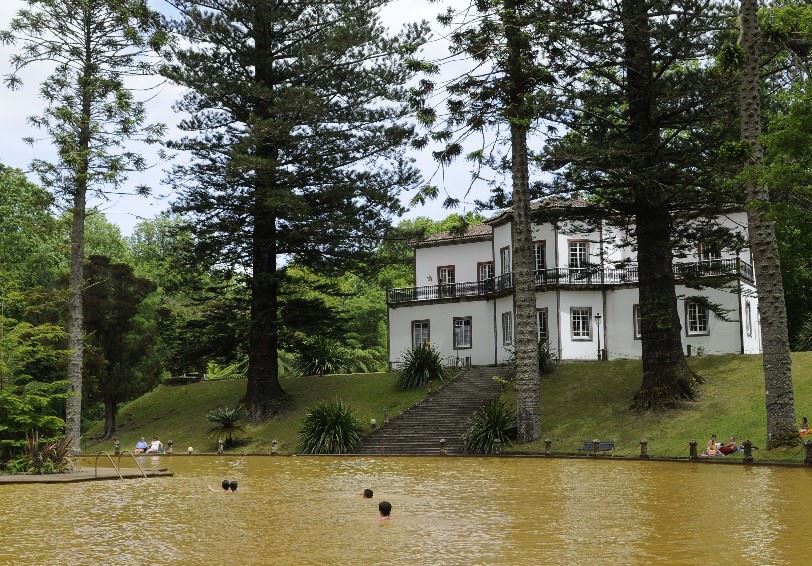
179,412
588,400
580,402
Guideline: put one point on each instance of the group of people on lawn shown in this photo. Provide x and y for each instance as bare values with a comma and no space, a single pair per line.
154,447
716,448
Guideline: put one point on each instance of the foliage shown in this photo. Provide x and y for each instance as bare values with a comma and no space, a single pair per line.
322,355
330,428
494,421
215,371
42,456
226,423
548,359
419,365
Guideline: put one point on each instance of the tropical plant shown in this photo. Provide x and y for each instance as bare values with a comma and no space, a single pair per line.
494,421
236,370
321,356
548,360
226,421
330,428
47,456
419,365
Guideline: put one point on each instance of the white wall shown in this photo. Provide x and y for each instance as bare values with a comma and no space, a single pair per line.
547,300
501,238
580,349
503,305
547,233
724,336
573,231
619,339
441,317
463,256
752,342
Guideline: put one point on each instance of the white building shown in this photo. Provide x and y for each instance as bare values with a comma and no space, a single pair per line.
586,294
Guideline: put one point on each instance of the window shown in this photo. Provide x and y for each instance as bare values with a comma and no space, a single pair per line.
544,329
420,332
445,274
507,328
748,318
462,332
579,254
581,323
710,251
504,257
638,325
539,251
697,318
484,270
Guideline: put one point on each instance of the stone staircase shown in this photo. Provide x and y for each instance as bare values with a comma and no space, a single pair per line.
444,414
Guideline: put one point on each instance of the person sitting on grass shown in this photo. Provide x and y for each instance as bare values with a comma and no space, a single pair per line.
804,430
140,446
385,509
156,447
729,447
713,447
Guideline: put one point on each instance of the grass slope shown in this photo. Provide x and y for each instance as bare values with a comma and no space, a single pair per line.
179,412
589,400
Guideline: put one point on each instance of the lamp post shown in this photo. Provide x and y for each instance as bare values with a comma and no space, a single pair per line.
598,320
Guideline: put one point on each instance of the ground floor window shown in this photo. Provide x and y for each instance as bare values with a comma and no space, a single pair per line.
696,315
507,328
748,318
462,332
638,324
544,329
581,323
420,332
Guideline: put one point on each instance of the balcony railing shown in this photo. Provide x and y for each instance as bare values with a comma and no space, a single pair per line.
567,276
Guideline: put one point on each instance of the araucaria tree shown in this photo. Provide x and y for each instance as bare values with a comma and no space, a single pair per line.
94,47
295,131
781,427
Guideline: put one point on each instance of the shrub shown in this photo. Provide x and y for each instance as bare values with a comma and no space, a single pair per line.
419,365
321,356
548,361
226,420
46,456
493,421
330,428
236,370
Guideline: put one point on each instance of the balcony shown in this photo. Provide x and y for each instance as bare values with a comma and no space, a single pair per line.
567,277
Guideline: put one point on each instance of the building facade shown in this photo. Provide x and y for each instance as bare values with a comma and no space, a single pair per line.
587,303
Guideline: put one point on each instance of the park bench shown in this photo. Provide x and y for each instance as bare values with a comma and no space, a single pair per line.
604,446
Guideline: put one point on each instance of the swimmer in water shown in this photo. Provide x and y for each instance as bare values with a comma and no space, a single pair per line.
367,494
384,508
225,484
232,485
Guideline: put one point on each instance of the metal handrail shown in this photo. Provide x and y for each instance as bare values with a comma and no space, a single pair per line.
130,452
96,465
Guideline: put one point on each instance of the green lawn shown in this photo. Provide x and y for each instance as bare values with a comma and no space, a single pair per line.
179,412
589,400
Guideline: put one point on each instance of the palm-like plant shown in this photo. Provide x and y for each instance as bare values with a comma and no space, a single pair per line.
495,420
419,365
226,421
330,428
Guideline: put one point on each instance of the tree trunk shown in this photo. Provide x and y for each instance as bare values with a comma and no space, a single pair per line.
667,379
73,405
777,361
110,410
526,343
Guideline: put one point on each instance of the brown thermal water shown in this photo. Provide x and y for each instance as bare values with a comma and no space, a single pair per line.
295,510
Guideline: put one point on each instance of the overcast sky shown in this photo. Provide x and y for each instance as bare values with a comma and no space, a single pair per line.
126,211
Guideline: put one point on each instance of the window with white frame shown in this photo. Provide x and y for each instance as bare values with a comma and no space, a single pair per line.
462,332
507,328
484,270
543,328
420,332
445,274
748,318
710,251
579,254
637,321
504,259
581,323
696,316
539,251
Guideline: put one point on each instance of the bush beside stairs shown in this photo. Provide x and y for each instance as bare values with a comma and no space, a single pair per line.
443,415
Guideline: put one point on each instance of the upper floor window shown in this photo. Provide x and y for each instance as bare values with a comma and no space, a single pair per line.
462,332
709,251
484,270
581,323
507,328
544,329
445,274
504,259
420,332
748,318
579,254
637,321
696,316
539,251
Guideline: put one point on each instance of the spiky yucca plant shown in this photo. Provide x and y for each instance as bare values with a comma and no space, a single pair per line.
330,428
493,420
419,365
225,421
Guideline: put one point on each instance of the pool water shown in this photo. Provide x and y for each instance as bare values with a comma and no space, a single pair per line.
296,510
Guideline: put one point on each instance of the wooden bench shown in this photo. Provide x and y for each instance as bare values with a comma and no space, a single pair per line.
604,446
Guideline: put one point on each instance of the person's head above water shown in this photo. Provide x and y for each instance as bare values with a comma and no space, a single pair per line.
233,485
225,485
367,493
384,508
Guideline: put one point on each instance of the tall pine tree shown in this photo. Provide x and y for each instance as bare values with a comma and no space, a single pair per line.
296,130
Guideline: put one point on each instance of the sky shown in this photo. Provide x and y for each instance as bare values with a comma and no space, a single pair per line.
125,210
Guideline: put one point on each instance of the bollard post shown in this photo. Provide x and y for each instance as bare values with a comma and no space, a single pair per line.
747,447
117,447
596,446
808,458
373,424
274,447
548,447
220,446
497,445
170,447
644,448
692,449
442,447
385,416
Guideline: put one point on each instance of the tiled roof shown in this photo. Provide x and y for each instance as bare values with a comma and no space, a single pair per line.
475,231
547,202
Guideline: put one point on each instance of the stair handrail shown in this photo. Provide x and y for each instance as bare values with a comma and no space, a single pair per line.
130,452
96,465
